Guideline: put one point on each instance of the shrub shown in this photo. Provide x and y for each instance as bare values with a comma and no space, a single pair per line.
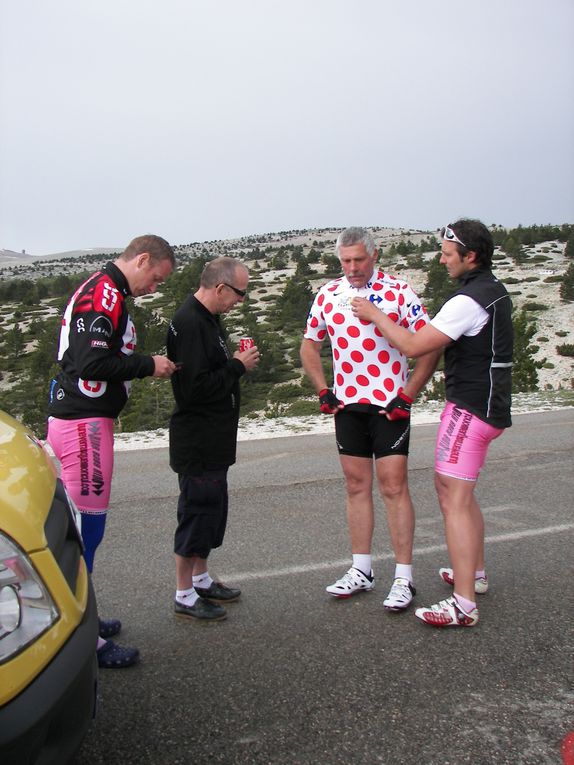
302,408
565,350
282,393
535,307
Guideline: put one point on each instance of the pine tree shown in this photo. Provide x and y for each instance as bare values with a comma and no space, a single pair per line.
525,367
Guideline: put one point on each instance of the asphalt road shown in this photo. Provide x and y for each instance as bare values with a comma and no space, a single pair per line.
295,677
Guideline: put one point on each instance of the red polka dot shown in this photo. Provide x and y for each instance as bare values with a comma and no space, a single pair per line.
353,331
405,323
328,307
339,380
362,380
389,295
364,322
394,317
377,286
357,356
401,298
336,354
373,370
378,332
389,384
342,342
331,330
378,394
322,334
346,367
383,357
364,401
320,300
369,344
420,323
338,318
333,287
314,322
350,391
396,368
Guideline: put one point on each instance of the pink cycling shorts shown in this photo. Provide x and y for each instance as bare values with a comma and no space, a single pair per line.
85,449
462,443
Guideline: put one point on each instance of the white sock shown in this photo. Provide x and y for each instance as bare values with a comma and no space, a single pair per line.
363,563
187,597
202,580
404,571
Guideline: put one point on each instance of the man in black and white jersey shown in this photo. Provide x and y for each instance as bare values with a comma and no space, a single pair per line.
474,327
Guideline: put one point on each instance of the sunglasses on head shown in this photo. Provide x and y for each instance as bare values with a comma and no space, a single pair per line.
448,234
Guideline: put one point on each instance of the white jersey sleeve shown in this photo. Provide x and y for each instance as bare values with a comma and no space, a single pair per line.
461,315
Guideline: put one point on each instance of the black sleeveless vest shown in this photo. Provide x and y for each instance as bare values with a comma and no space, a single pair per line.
478,369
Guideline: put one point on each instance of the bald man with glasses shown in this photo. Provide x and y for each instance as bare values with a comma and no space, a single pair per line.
203,432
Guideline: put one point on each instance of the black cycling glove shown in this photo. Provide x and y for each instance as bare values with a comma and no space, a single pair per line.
399,408
329,403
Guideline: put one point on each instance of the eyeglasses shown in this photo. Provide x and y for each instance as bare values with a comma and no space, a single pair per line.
448,234
240,293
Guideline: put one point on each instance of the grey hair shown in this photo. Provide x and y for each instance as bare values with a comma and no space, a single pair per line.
220,270
356,235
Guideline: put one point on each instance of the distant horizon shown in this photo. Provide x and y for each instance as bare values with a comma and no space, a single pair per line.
8,252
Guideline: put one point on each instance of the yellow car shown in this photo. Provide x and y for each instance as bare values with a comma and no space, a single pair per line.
48,615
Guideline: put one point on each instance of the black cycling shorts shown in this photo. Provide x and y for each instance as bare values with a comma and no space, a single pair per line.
366,434
201,513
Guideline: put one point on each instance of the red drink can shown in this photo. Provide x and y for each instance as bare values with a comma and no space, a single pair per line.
245,343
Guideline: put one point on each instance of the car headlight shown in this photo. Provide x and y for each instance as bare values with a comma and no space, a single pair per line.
26,607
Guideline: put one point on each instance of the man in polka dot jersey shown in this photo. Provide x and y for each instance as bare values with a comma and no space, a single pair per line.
371,399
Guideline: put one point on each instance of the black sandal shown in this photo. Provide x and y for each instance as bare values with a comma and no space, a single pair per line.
113,656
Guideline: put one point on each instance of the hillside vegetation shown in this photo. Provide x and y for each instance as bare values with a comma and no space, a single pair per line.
536,264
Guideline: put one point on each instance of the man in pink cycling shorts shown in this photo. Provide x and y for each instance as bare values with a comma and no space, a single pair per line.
97,359
371,400
474,326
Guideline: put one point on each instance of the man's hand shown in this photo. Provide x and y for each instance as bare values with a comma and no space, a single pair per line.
399,408
249,358
329,403
163,367
364,310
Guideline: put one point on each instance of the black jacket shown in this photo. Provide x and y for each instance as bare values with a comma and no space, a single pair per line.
203,426
478,369
96,350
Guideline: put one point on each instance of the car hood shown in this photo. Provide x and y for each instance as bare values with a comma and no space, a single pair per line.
27,483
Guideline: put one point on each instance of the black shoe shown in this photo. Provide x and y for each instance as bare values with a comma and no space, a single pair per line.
113,656
109,627
202,609
218,591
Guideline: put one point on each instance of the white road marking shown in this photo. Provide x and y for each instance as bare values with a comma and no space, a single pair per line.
328,565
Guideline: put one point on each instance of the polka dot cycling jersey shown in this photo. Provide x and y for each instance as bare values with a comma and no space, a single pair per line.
366,368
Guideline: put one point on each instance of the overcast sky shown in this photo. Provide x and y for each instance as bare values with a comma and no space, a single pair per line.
209,119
